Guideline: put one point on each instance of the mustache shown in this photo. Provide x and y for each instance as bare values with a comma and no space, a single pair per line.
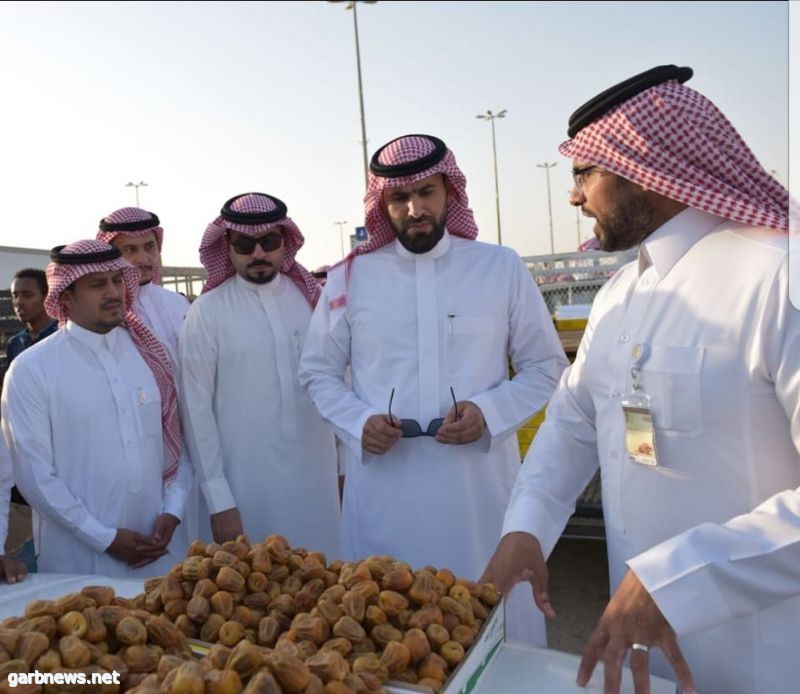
111,304
410,221
259,263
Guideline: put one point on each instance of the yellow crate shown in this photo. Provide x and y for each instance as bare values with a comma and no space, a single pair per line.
566,324
527,432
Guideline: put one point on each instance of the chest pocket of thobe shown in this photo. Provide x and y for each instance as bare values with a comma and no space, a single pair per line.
468,341
672,378
147,406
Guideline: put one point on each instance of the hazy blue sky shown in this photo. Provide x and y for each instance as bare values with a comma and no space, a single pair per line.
207,100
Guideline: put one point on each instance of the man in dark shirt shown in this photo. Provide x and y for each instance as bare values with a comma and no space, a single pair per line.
28,291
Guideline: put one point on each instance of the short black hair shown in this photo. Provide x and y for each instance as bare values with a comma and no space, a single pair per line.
33,274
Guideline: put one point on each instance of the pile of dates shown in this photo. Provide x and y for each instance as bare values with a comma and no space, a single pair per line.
277,620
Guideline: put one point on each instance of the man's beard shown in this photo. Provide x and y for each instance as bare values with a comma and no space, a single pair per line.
421,242
628,223
260,279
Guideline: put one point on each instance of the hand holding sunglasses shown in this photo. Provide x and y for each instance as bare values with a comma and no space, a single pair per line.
380,433
411,427
464,424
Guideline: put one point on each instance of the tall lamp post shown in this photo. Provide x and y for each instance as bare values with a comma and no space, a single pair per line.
351,5
491,118
341,236
577,220
547,168
131,184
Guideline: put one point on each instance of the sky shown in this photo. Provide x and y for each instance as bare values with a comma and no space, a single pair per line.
206,100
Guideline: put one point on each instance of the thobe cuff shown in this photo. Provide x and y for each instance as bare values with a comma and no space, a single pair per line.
496,430
219,496
5,509
174,500
737,568
670,573
351,437
357,434
98,536
531,517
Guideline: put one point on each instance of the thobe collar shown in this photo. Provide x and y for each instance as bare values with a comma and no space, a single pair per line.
94,341
260,289
144,289
144,294
669,243
436,252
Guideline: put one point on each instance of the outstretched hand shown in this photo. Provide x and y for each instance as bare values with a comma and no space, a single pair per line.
518,558
632,617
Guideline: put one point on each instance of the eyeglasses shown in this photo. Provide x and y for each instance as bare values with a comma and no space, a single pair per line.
581,173
411,428
245,245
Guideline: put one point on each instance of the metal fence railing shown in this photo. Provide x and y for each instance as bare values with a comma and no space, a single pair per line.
574,278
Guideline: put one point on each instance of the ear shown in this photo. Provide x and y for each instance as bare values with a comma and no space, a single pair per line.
67,299
449,190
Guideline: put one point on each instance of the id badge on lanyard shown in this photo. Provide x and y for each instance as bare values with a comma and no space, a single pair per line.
640,440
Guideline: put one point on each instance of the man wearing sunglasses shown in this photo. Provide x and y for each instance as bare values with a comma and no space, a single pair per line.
686,393
265,458
427,318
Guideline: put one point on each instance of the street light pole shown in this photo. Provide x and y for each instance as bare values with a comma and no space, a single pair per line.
131,184
577,220
341,236
547,168
361,99
351,5
491,118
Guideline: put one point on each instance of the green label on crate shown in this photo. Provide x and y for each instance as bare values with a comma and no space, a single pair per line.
472,681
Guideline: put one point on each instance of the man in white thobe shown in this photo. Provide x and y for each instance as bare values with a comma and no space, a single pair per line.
686,392
11,570
265,459
90,417
427,318
139,236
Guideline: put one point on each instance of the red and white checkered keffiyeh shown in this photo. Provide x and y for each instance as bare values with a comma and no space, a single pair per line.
460,220
672,140
62,275
134,214
215,256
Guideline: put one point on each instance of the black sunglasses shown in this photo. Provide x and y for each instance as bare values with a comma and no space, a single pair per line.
411,427
245,245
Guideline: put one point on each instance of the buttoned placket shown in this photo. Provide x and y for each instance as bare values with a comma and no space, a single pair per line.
125,416
621,358
427,339
284,349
